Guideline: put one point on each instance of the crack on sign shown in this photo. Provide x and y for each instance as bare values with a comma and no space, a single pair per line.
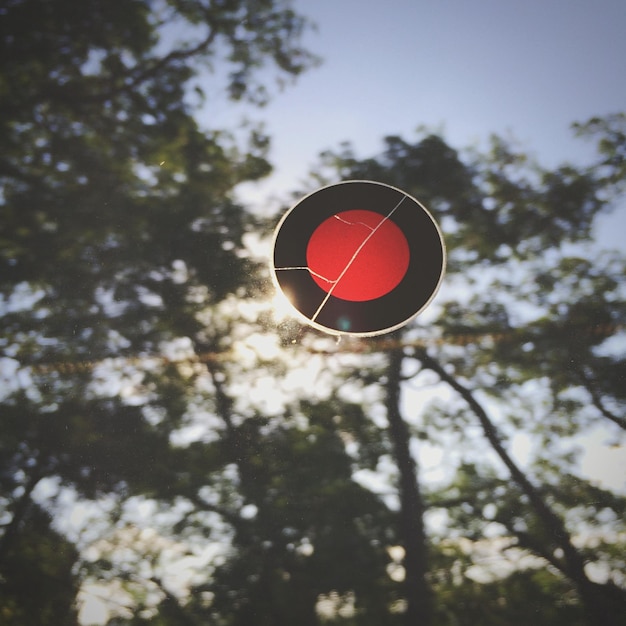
317,274
309,270
333,283
341,219
353,258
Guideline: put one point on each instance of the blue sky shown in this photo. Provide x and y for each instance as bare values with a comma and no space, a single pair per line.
467,68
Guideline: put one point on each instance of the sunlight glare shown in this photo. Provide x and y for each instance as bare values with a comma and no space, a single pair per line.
93,610
257,347
282,307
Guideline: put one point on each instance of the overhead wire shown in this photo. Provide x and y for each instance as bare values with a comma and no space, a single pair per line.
363,346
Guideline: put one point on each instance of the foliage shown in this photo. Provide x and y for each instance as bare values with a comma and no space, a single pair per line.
39,582
538,312
133,356
119,226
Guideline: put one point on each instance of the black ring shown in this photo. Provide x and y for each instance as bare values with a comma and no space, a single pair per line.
371,317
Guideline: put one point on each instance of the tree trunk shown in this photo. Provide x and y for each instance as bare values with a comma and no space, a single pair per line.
20,509
418,593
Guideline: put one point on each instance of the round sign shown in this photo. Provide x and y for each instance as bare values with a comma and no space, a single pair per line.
358,258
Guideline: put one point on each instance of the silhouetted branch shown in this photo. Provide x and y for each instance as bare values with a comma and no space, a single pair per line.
597,399
19,511
592,595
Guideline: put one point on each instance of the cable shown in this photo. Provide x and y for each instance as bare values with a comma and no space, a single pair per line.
363,346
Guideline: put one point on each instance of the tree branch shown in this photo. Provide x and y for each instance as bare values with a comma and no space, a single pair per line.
592,595
130,80
173,604
232,518
21,508
597,399
163,62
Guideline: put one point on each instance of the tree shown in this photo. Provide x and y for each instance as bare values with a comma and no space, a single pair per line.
119,226
532,309
127,329
38,565
312,531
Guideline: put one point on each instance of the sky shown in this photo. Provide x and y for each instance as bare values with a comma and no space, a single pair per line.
526,70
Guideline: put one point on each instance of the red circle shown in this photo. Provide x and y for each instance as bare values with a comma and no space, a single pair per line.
357,255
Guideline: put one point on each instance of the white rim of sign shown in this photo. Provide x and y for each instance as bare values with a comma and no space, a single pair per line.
331,331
